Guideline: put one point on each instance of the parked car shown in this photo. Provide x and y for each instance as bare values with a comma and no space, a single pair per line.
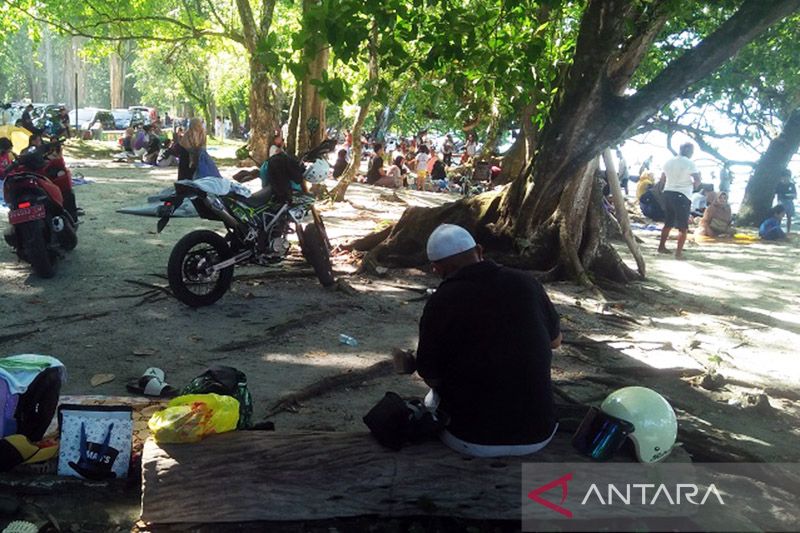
127,118
87,116
47,117
10,113
150,113
122,118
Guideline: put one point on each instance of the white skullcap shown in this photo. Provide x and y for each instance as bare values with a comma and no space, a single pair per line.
448,240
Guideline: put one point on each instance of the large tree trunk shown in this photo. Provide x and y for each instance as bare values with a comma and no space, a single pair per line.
621,211
47,38
264,111
516,160
294,118
311,125
77,67
513,163
492,135
552,219
338,192
236,124
116,68
760,189
265,117
350,173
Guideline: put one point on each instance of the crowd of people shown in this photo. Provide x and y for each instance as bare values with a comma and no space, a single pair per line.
679,199
415,163
151,145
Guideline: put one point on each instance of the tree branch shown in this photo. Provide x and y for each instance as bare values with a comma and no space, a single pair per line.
625,63
248,25
750,20
216,15
267,10
85,30
670,127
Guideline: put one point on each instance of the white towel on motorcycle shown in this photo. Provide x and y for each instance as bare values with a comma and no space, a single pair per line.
211,185
217,186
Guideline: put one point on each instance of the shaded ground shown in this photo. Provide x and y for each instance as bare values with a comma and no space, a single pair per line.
730,308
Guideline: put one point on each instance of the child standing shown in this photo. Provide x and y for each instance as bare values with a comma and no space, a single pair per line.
422,166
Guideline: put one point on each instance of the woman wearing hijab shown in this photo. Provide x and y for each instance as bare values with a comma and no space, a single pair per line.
189,147
717,218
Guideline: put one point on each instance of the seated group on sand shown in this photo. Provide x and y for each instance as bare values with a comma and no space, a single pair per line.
717,220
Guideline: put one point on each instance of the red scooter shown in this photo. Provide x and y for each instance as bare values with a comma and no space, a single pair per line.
42,212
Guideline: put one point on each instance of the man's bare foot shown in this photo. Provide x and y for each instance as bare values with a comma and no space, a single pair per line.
663,250
679,256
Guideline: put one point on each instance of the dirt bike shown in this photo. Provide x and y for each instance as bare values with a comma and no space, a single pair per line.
42,223
200,267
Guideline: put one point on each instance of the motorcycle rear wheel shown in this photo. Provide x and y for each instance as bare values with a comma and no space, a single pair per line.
189,265
316,253
35,250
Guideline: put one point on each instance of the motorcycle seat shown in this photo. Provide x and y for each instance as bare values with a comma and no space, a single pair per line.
257,199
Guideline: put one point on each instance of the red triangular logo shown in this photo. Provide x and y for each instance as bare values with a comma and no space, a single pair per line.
535,495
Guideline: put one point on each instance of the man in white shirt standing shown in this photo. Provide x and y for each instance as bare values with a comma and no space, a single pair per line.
680,178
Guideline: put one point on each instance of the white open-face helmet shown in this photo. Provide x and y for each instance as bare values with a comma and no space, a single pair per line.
638,413
317,171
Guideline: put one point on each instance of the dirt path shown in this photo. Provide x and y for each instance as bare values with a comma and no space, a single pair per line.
731,308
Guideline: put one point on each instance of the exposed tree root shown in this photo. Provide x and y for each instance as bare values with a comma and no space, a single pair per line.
572,243
403,244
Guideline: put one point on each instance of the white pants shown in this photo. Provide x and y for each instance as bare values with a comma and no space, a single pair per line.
484,450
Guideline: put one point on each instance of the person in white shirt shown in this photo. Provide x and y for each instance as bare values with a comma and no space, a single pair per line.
680,178
422,166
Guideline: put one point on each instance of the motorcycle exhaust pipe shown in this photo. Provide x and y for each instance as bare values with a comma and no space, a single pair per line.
224,215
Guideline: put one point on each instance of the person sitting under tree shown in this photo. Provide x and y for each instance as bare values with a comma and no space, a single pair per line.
341,164
485,347
376,171
717,219
770,229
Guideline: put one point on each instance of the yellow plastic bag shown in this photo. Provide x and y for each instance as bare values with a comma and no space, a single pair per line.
191,417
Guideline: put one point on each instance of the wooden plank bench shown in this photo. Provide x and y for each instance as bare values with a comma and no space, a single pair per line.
282,476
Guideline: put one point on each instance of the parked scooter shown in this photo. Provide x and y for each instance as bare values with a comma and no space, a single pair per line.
43,222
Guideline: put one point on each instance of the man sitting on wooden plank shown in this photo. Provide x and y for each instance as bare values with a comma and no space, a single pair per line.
485,346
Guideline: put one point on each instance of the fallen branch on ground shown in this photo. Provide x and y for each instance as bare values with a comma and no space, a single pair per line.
153,286
276,274
330,384
16,336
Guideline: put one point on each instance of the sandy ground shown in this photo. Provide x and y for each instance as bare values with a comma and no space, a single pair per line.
729,308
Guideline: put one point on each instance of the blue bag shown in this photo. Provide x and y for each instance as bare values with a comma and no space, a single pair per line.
206,166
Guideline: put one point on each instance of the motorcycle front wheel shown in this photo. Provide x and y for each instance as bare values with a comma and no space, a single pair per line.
316,253
190,273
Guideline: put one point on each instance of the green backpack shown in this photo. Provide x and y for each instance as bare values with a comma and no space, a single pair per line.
227,381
